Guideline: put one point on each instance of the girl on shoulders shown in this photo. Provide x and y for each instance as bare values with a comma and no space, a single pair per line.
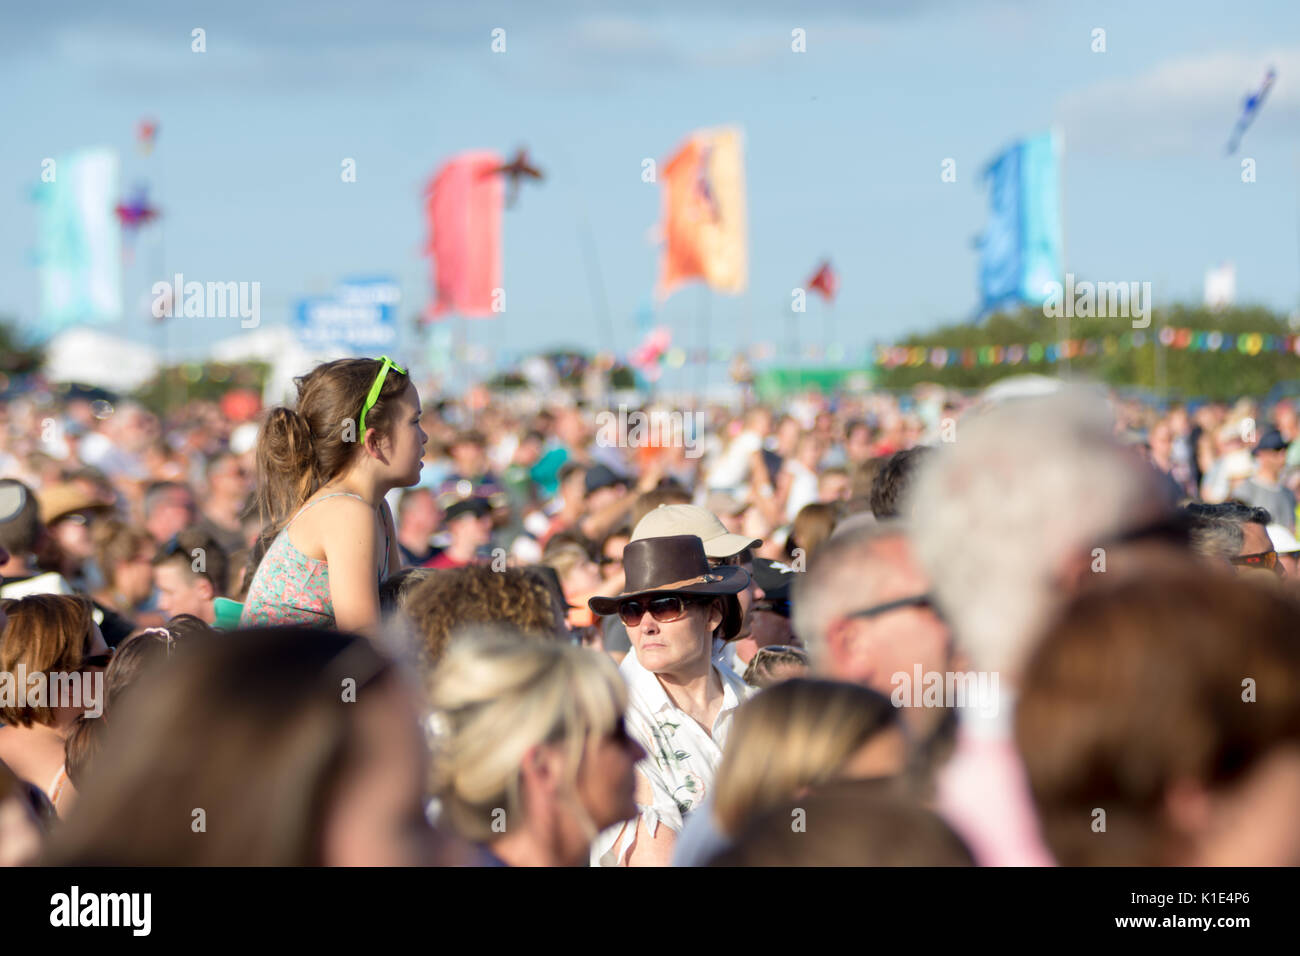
323,468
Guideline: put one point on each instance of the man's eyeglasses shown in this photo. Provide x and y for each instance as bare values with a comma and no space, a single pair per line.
378,387
1265,560
664,609
916,600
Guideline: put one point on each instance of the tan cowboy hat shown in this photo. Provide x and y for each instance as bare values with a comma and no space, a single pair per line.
65,499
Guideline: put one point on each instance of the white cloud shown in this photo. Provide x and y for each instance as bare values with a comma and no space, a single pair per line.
1183,106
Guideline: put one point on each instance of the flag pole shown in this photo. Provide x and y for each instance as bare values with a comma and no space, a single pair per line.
794,351
595,279
826,332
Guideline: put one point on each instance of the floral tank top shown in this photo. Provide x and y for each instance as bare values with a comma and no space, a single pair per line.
290,587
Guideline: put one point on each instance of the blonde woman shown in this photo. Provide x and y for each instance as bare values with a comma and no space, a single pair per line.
791,737
531,756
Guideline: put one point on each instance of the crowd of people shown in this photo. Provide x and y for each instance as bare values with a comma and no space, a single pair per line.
1036,626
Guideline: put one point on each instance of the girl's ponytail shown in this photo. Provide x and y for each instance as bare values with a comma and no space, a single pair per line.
286,471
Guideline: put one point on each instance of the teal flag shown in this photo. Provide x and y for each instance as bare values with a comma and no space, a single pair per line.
80,244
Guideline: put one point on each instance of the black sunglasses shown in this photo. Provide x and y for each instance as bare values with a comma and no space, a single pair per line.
916,600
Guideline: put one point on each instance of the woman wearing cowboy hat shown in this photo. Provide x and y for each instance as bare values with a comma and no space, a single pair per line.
680,702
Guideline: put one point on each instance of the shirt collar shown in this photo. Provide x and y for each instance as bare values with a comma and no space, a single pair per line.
645,685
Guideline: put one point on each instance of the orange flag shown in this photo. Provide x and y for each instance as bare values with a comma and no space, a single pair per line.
463,204
704,228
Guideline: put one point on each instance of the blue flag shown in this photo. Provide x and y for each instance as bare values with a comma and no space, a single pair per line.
1020,250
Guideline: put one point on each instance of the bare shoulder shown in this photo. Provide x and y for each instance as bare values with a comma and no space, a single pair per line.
328,519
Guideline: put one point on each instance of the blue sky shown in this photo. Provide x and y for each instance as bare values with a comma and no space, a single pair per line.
843,146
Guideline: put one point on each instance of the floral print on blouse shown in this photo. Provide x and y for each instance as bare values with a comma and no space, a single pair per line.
681,758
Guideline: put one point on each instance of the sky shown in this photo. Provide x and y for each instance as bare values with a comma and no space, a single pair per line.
844,146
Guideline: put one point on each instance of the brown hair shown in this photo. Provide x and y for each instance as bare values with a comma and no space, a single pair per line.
181,552
133,658
863,477
1142,684
452,598
300,449
565,557
46,633
252,728
763,666
894,480
812,526
117,543
848,823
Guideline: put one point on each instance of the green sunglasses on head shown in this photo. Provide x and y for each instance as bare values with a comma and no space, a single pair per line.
378,387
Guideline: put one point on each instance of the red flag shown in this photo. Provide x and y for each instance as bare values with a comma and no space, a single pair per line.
825,281
463,204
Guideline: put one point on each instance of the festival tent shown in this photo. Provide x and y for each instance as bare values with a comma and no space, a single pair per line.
85,355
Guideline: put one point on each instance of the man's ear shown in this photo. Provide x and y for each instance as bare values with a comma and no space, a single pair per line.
206,591
837,638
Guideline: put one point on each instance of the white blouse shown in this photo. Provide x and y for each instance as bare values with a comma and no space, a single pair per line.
681,759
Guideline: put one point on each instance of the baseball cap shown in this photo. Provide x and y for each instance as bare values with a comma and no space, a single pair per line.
774,578
478,507
1271,440
692,519
602,476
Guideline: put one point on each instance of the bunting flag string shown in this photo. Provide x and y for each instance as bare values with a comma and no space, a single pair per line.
1178,339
